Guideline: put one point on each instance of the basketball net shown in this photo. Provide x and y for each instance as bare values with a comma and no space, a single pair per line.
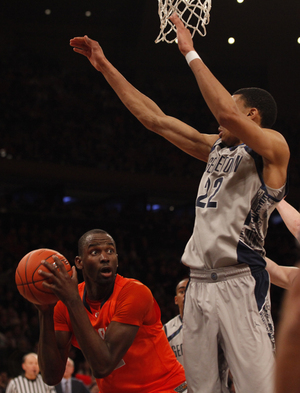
193,13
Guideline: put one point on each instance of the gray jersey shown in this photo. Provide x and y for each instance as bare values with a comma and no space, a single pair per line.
232,210
173,330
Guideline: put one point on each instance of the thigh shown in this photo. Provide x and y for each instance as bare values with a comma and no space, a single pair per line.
200,330
247,346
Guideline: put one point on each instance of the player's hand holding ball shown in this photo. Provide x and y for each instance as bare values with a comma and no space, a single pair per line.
32,272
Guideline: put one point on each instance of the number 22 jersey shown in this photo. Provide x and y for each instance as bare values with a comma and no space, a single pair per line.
233,207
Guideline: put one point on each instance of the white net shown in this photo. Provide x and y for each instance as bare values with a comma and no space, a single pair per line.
193,13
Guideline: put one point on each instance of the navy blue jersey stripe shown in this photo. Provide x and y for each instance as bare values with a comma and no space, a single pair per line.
175,334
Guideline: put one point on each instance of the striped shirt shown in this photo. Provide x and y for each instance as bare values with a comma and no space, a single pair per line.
23,385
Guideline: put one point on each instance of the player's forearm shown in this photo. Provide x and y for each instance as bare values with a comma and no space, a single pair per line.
291,218
141,106
153,118
51,365
282,276
217,98
91,344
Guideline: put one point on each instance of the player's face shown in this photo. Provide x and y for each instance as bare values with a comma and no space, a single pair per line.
227,137
31,367
100,259
180,294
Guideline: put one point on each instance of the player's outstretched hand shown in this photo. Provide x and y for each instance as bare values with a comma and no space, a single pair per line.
89,48
184,37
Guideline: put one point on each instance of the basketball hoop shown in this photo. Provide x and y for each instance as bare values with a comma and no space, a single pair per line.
193,13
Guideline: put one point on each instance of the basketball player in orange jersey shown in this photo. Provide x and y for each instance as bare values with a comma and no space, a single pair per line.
115,321
245,177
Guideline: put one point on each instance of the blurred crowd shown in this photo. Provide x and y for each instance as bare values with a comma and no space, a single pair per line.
50,114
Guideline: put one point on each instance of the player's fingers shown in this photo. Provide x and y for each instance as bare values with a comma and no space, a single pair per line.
52,267
77,41
58,263
81,51
48,285
174,17
45,274
176,20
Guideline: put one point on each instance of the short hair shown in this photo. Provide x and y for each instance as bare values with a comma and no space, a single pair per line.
263,101
177,286
82,240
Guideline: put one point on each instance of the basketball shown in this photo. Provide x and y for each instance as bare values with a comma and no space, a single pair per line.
30,283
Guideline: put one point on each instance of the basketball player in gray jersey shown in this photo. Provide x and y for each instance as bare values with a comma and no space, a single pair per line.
245,178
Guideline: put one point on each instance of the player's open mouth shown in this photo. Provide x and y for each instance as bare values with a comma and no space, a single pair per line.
106,272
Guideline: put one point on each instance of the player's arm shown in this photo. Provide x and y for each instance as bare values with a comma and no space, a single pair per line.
269,144
53,348
282,276
291,218
287,376
143,108
102,354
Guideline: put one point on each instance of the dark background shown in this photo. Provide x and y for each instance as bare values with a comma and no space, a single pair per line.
72,158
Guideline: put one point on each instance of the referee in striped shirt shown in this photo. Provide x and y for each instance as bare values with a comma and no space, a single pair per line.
31,381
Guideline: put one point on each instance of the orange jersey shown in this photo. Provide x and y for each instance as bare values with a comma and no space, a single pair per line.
149,364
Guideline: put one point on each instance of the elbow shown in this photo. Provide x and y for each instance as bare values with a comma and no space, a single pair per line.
52,379
102,373
52,375
103,370
150,123
153,122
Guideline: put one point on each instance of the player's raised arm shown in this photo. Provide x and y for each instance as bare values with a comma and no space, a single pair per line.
243,121
143,108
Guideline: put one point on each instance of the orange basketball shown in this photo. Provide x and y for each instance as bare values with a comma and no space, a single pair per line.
30,282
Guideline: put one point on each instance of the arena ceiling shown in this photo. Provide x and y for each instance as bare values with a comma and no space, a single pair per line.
265,53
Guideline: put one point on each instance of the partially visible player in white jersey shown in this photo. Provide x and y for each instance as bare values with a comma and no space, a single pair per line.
31,381
173,328
245,178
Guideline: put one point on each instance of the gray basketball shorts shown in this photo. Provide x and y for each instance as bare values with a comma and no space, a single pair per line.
220,309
